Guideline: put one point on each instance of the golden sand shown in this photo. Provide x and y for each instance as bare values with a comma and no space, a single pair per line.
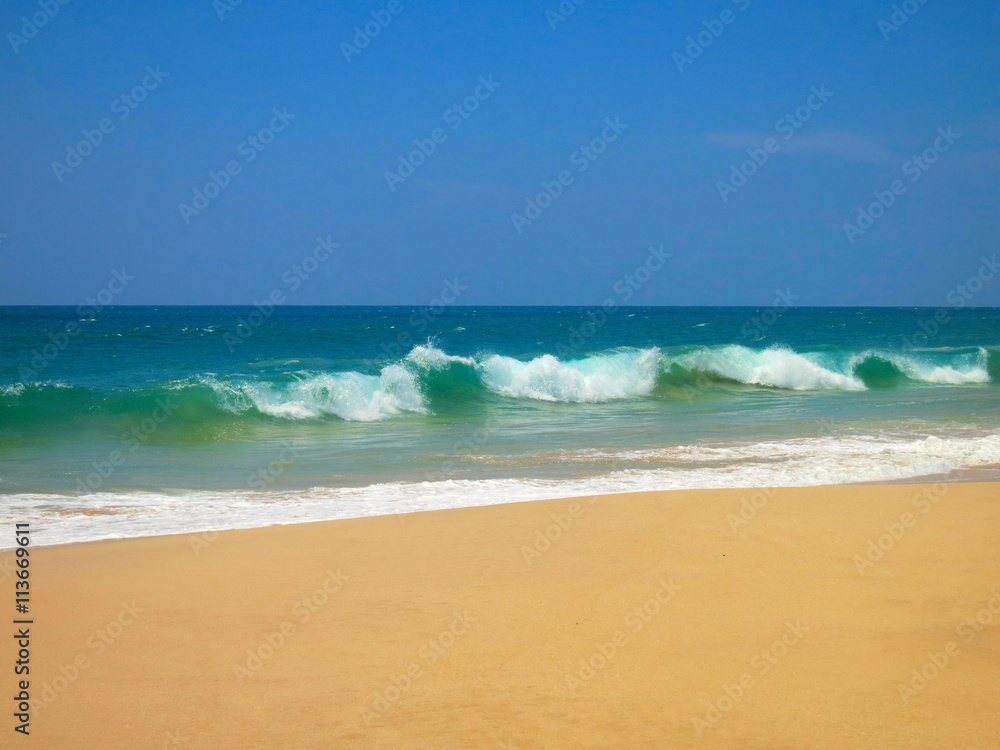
835,617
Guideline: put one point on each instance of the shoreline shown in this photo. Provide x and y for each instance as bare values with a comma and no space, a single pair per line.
689,618
958,476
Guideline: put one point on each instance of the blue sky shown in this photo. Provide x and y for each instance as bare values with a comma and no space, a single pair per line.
686,117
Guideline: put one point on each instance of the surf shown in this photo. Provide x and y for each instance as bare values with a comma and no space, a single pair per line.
429,380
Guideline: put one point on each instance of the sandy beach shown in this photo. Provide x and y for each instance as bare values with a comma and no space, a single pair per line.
832,617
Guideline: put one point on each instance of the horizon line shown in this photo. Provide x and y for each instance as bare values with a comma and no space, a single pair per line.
469,307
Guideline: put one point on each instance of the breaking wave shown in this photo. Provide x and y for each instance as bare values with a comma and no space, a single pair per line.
429,380
352,396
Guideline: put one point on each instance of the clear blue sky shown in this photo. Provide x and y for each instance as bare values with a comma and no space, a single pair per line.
657,183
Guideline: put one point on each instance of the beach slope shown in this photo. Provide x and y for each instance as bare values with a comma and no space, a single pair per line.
833,617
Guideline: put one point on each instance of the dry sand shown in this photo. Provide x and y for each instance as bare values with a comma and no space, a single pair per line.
660,620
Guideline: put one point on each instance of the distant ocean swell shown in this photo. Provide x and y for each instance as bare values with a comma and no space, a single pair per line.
429,381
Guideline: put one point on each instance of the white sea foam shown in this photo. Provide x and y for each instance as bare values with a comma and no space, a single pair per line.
604,377
349,395
777,367
964,368
430,357
60,519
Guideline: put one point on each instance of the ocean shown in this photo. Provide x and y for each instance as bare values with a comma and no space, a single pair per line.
133,421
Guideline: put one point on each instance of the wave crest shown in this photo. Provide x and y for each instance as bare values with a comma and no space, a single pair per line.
881,369
431,380
351,396
775,367
605,377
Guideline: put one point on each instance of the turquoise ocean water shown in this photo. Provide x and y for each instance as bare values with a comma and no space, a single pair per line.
133,421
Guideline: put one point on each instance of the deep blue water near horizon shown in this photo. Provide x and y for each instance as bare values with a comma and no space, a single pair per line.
354,410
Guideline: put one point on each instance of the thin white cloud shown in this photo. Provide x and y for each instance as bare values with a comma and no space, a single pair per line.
848,145
830,143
